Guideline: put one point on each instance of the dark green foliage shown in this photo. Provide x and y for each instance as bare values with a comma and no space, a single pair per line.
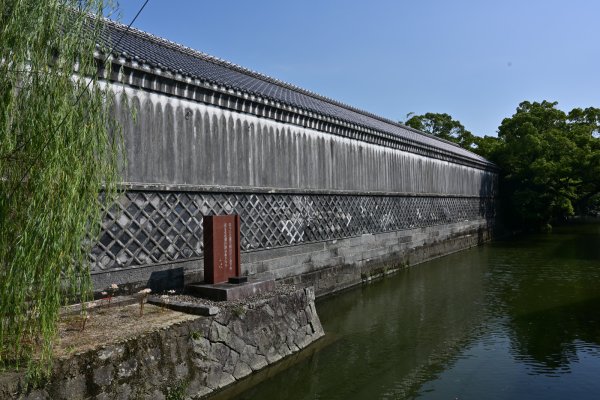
58,149
486,146
444,127
550,162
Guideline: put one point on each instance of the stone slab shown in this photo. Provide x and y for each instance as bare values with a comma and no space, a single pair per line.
238,279
230,291
190,308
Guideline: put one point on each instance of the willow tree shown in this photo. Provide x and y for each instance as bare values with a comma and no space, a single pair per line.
58,163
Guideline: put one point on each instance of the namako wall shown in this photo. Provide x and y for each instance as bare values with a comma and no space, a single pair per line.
323,190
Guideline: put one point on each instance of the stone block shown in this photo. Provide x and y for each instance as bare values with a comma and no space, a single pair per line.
264,255
352,255
272,355
103,376
258,362
331,261
127,369
241,370
110,352
181,370
157,395
228,291
198,392
123,392
73,388
219,333
37,395
190,308
274,264
322,256
230,363
346,250
292,270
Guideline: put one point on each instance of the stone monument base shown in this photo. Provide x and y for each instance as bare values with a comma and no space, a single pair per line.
231,291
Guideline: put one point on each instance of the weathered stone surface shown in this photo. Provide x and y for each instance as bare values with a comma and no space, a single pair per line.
372,256
196,309
103,376
127,368
258,362
230,291
181,369
110,352
241,370
201,355
37,395
73,388
219,332
157,395
123,392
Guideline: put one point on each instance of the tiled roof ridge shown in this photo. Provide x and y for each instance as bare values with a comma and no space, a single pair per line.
266,78
210,58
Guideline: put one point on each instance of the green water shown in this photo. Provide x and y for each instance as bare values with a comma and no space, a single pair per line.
516,319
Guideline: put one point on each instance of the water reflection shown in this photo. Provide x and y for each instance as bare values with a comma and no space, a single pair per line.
392,335
515,319
573,327
554,312
543,326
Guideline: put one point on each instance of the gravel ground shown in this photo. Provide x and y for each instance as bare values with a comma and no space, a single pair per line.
108,323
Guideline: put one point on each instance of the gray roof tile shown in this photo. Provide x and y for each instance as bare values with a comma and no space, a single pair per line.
150,49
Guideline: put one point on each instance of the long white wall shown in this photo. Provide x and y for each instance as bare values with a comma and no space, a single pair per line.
176,141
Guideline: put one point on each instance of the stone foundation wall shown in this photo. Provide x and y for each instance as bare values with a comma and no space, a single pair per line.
187,360
328,265
333,266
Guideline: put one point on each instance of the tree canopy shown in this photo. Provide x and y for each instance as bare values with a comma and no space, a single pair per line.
442,126
549,159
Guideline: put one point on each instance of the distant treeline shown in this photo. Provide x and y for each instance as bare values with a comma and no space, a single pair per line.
549,160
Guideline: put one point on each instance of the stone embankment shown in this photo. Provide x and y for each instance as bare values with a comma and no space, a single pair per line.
188,359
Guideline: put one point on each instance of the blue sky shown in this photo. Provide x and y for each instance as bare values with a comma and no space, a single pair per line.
475,60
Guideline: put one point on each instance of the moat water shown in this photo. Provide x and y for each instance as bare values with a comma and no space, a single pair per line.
514,319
